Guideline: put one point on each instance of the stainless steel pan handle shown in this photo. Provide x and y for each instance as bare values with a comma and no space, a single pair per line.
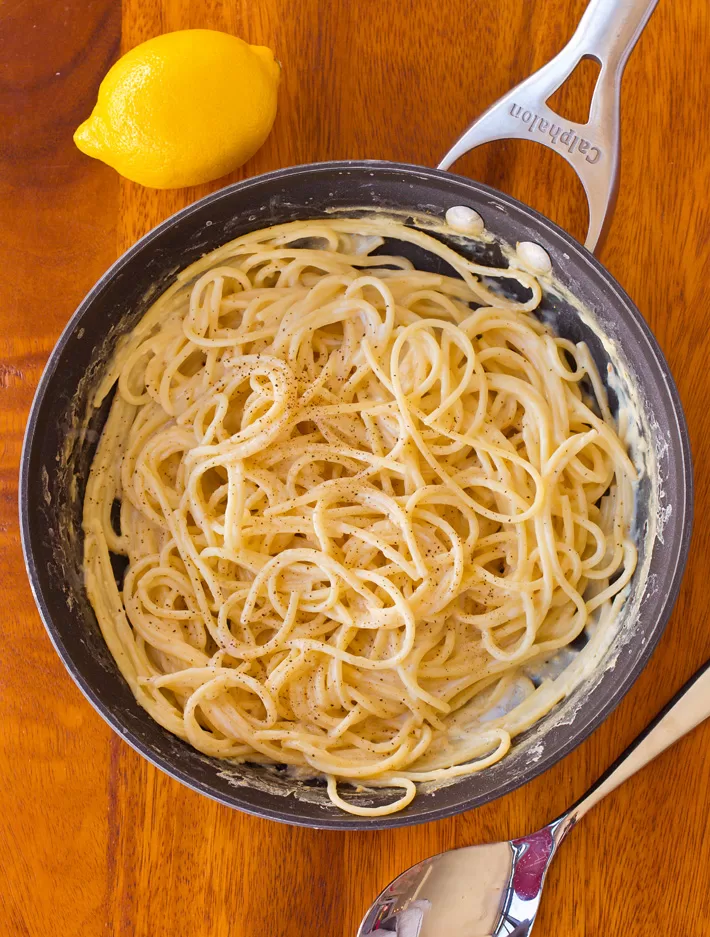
607,32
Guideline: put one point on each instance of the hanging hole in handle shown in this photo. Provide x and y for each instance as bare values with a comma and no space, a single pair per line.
573,99
534,174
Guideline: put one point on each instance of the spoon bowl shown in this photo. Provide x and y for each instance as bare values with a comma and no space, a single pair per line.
477,891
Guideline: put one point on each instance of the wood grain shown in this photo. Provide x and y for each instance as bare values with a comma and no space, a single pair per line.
93,840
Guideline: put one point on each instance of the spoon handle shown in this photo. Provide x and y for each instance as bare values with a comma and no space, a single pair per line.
688,708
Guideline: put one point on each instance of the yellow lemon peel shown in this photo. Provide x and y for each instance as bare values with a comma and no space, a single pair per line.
183,108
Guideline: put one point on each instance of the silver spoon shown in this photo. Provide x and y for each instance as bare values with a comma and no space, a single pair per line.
495,890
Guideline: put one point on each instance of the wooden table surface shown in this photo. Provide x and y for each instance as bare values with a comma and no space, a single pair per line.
95,841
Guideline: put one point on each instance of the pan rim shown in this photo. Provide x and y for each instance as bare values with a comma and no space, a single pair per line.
684,498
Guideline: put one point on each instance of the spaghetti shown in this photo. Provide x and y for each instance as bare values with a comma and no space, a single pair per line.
357,502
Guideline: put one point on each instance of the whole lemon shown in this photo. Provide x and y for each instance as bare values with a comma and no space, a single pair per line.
183,108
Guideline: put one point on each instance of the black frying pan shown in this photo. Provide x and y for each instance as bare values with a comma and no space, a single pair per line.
59,448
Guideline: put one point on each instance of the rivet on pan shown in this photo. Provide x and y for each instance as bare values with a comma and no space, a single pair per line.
533,257
464,219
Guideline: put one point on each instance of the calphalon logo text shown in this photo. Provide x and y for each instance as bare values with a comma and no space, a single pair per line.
568,139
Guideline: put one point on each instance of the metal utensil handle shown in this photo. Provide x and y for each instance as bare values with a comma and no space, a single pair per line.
607,32
688,708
